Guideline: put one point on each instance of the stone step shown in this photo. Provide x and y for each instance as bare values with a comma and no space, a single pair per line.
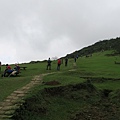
13,101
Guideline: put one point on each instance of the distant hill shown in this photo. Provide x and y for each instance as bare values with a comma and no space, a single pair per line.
112,44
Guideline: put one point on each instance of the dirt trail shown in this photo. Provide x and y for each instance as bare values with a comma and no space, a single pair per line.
13,101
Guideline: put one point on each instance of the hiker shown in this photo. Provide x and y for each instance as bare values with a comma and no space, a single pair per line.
17,69
77,56
75,59
58,64
66,61
15,72
62,61
48,64
8,70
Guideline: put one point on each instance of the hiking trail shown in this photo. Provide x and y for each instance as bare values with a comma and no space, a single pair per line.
15,99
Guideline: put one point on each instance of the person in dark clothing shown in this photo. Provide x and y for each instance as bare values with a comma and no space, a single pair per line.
75,59
17,69
48,64
66,61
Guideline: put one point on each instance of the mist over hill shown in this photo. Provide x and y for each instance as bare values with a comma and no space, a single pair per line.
112,44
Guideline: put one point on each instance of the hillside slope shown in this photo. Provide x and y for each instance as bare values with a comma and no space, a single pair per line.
112,44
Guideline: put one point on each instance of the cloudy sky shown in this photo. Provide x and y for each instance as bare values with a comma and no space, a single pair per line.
33,30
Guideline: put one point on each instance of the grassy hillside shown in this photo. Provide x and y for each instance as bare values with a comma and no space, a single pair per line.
102,45
89,90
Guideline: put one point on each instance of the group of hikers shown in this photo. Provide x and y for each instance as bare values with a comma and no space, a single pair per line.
59,62
9,71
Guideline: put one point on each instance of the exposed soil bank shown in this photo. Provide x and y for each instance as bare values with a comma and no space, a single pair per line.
77,102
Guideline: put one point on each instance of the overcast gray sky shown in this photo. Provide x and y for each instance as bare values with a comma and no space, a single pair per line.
33,30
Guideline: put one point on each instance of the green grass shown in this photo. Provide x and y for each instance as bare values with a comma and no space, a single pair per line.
99,65
64,78
72,103
8,85
111,85
57,106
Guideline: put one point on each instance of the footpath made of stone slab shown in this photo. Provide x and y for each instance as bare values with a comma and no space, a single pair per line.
13,101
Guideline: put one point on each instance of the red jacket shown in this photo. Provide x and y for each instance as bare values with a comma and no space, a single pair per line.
59,61
8,67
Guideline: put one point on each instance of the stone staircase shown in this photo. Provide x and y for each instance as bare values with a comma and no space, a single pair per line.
13,101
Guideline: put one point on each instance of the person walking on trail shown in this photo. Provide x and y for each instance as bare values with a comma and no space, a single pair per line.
66,61
48,64
58,64
75,59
